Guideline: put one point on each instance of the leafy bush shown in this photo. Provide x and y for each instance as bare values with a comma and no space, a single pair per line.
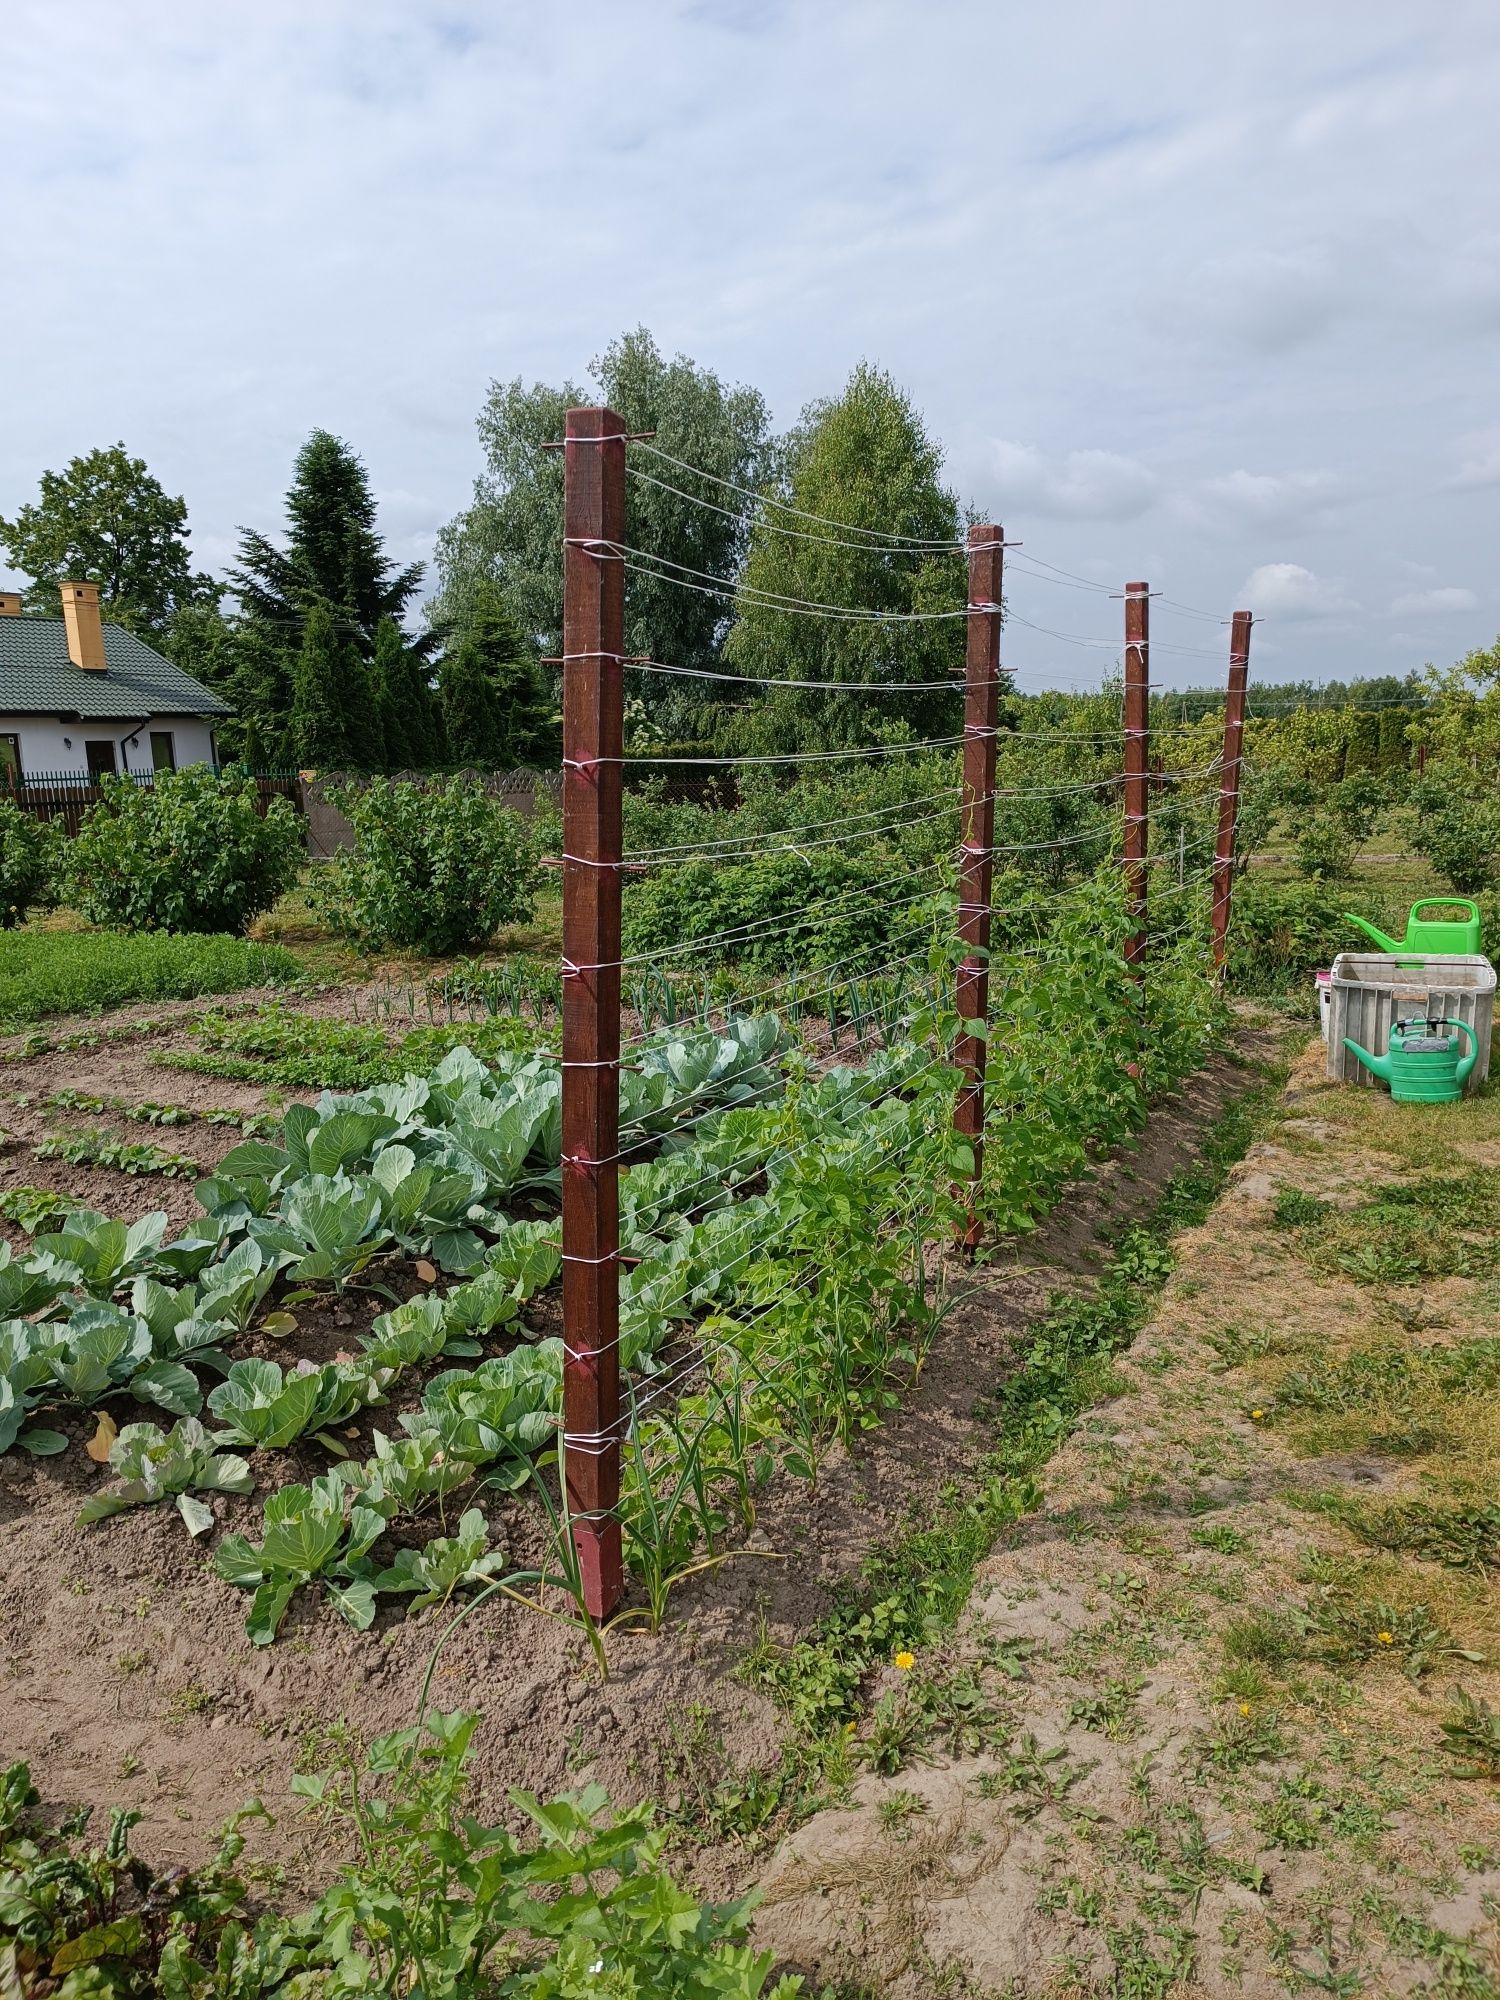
27,861
53,972
435,868
1324,849
1457,829
191,854
785,909
1282,932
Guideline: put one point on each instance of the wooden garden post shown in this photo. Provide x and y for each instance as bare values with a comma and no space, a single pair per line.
976,854
1137,750
1229,783
593,746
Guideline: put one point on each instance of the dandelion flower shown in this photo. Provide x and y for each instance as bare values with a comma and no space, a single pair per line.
906,1661
1244,1708
849,1728
1386,1638
1256,1415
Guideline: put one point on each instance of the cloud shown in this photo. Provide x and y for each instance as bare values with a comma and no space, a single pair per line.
1481,467
1079,486
1270,500
1450,599
1287,590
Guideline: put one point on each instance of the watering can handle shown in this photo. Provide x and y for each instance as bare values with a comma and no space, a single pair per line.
1466,1063
1439,902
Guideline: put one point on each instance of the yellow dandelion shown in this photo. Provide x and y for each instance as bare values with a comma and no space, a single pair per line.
1244,1708
1256,1415
906,1661
849,1728
1386,1638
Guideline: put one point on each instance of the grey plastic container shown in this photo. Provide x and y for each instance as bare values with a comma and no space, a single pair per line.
1372,990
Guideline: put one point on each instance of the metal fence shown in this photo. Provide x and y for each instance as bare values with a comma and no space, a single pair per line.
66,796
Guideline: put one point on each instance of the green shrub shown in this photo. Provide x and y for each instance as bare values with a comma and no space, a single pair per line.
27,862
1324,849
1280,933
1458,830
62,972
191,854
434,869
785,910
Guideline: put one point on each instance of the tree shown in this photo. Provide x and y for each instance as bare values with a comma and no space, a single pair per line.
863,459
333,553
409,724
512,533
495,714
332,724
104,519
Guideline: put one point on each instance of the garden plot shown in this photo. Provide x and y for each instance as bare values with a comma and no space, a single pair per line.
129,1635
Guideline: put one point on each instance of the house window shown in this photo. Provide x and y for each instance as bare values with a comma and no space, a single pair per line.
163,756
100,752
10,761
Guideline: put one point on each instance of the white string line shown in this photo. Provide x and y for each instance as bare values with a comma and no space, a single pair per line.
638,758
879,536
766,600
818,912
800,534
661,1384
806,826
780,843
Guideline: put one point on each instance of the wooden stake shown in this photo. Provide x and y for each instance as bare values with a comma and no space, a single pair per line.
593,743
977,864
1229,782
1137,753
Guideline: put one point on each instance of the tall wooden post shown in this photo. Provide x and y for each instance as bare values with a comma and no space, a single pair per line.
977,858
1137,751
593,744
1229,782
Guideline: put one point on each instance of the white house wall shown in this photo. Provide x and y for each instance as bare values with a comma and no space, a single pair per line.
49,745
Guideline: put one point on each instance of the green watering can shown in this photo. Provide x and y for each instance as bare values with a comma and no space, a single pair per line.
1448,938
1422,1066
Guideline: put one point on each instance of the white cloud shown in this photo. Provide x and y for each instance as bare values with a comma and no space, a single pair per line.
1270,500
1079,486
1481,466
1287,590
1450,599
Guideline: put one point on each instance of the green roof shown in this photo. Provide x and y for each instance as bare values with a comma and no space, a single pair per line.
37,677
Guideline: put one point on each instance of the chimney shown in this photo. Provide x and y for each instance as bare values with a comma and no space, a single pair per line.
80,609
10,603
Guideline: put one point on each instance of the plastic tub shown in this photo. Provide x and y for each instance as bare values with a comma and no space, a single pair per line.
1371,990
1325,1001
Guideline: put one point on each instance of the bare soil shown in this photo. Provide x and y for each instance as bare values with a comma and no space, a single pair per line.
129,1676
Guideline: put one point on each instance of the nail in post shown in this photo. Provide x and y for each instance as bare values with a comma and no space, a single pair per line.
1229,782
1137,753
593,735
981,715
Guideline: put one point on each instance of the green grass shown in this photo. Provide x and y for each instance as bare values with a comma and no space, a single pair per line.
44,971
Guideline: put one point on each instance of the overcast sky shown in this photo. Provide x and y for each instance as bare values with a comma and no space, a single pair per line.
1200,294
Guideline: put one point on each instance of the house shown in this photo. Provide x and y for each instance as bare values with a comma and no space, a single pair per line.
80,697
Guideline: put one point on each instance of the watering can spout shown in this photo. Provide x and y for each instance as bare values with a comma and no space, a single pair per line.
1378,1065
1386,944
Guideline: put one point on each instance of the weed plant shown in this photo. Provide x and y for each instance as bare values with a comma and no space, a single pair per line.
72,972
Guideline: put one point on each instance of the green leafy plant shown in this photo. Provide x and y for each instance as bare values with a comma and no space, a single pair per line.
102,1149
1471,1735
192,852
153,1465
264,1410
28,858
311,1534
434,1572
435,868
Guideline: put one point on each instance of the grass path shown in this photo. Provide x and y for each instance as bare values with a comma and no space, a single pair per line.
1214,1719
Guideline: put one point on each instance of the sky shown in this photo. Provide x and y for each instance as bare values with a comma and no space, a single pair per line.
1204,296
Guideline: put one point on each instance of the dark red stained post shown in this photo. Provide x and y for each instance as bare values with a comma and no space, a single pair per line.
1229,781
593,738
1137,748
977,861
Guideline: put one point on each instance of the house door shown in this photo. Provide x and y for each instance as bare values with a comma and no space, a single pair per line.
100,752
10,761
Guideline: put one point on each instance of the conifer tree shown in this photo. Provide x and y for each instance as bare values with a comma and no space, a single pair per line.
332,725
406,709
495,712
